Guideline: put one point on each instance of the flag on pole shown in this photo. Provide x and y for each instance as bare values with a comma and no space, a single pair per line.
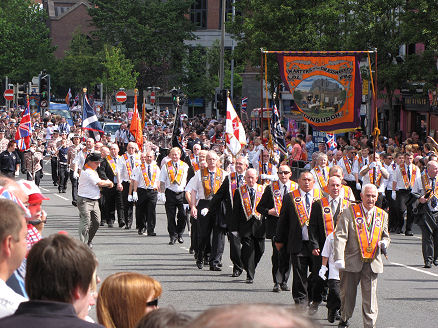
244,105
89,118
235,136
136,128
178,131
24,131
277,131
331,141
68,97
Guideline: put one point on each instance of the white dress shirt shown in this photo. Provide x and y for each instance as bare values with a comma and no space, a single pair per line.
305,230
87,185
121,166
137,175
175,187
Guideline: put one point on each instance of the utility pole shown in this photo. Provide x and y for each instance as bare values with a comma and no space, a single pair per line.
221,67
232,57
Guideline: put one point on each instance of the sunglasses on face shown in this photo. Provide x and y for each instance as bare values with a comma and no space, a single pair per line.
284,172
153,302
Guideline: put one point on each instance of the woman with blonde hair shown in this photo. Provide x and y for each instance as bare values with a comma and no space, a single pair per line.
125,297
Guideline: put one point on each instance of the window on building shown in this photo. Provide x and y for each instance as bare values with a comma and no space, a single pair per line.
59,10
198,14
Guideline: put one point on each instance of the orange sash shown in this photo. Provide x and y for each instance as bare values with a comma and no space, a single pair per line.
175,178
276,194
149,183
112,163
368,236
246,201
347,164
408,184
233,184
261,171
128,165
194,164
303,216
427,186
327,215
320,177
293,186
378,179
210,190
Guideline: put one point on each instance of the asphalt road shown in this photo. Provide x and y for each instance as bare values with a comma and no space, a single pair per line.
407,293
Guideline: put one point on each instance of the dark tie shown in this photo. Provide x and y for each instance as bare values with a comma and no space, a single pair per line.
409,173
251,195
239,180
307,203
284,190
196,159
265,168
366,161
212,181
149,172
132,161
433,201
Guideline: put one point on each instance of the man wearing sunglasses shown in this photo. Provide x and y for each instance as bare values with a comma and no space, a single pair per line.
269,207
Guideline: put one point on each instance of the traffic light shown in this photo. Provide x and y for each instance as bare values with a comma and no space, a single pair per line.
174,93
98,91
20,95
221,102
44,81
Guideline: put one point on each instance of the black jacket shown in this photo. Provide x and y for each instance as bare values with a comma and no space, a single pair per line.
221,203
289,229
265,204
246,228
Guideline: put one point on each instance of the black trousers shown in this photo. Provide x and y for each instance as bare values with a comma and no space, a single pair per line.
112,202
174,202
392,211
429,242
54,166
36,177
305,286
62,176
252,251
352,185
235,252
145,214
402,198
194,234
74,187
334,295
127,207
280,264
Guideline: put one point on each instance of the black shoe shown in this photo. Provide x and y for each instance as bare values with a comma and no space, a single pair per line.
172,241
215,268
236,273
140,232
343,324
152,234
276,288
435,262
191,251
220,264
398,230
249,281
284,287
74,203
102,223
63,191
180,239
127,227
110,225
409,233
55,183
199,265
331,315
313,308
427,264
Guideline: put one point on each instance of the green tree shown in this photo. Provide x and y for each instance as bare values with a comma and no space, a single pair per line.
152,33
25,47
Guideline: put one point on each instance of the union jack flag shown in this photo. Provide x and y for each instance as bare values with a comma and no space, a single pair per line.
6,194
243,105
24,131
331,141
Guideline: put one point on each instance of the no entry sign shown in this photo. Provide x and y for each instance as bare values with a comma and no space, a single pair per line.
121,96
9,94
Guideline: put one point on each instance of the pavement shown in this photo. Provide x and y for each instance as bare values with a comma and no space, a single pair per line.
407,293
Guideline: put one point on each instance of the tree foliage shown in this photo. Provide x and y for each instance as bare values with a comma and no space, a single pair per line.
25,47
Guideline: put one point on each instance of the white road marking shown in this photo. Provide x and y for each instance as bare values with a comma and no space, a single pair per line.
415,269
185,248
60,196
44,189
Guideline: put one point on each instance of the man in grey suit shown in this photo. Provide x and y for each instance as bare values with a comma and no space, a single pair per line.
361,233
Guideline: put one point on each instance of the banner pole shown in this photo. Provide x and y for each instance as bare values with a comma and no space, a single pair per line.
261,95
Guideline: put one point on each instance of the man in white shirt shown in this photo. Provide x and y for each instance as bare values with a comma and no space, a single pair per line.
88,198
375,173
13,248
266,171
145,186
173,179
321,171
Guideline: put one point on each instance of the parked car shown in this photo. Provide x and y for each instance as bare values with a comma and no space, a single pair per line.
61,110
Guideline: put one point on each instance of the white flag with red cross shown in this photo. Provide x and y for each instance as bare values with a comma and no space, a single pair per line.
234,132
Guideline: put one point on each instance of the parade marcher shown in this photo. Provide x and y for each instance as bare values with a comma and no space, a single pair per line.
112,197
193,161
404,180
3,141
346,163
126,164
346,192
79,160
122,138
266,171
51,150
88,198
270,207
32,163
358,255
375,173
292,230
225,196
248,223
206,183
64,127
73,151
320,171
323,219
62,154
9,161
145,187
360,160
173,179
427,213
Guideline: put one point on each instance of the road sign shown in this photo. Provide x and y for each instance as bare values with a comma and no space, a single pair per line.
43,103
121,96
152,97
9,94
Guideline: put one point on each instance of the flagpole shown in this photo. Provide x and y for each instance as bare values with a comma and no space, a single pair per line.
84,93
143,114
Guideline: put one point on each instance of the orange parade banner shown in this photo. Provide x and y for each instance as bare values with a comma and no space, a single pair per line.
326,89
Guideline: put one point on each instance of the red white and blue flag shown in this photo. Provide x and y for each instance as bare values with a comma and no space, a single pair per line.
89,118
24,131
68,97
331,141
6,194
244,105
